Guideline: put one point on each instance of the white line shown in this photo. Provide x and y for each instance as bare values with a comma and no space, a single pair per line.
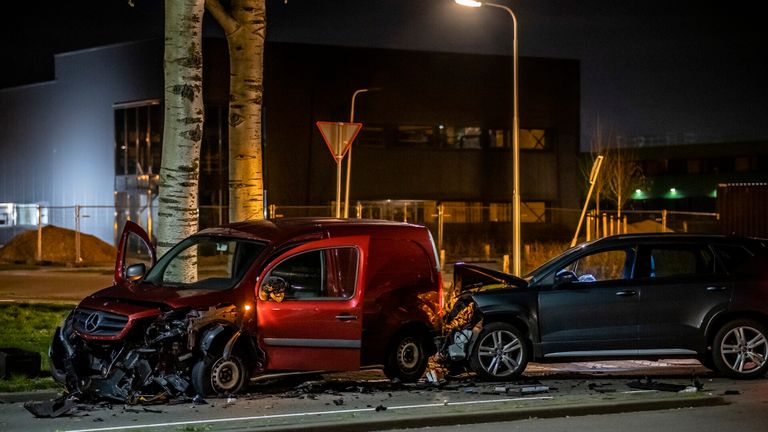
314,413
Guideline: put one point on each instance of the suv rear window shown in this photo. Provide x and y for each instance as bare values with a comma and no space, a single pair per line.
741,260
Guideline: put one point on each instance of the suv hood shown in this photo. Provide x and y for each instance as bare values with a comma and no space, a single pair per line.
468,277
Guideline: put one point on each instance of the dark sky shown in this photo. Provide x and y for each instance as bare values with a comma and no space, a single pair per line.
678,70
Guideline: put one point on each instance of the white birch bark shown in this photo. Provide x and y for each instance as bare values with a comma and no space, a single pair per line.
244,23
183,128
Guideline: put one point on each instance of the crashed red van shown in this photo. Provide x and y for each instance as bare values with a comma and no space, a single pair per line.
247,300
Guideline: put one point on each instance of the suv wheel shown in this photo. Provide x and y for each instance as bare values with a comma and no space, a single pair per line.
407,359
500,353
212,376
740,350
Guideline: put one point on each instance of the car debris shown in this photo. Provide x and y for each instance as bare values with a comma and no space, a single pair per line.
523,390
52,408
649,384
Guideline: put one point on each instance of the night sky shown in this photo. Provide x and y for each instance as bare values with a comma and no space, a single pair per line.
677,70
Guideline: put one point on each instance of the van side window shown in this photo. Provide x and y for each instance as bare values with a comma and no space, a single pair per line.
320,274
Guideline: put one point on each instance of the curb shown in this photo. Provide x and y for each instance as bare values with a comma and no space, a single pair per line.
494,416
33,396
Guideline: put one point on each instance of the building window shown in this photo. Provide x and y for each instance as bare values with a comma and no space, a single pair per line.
214,158
371,136
744,164
449,137
530,212
695,166
533,139
463,212
414,135
138,138
460,137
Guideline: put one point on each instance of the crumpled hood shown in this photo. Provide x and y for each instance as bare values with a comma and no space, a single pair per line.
117,297
467,277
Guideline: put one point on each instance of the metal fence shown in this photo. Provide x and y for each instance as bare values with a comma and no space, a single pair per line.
472,232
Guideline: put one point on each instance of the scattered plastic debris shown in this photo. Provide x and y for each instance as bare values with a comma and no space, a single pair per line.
649,384
49,409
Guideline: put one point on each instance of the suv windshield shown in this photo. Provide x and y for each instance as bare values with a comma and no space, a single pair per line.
205,262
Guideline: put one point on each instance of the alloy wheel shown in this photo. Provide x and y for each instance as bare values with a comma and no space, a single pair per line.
744,349
500,353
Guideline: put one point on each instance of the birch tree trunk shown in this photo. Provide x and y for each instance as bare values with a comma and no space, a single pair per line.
244,23
182,129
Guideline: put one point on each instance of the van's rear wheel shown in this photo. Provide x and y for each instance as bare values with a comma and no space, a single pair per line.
214,376
407,359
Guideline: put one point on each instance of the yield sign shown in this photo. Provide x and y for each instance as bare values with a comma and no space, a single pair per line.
338,136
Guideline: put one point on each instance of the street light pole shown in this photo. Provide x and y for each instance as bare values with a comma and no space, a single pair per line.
349,152
516,231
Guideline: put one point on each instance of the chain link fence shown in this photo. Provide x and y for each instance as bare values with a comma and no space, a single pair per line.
462,231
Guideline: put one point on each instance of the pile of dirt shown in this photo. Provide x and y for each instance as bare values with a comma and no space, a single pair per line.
58,246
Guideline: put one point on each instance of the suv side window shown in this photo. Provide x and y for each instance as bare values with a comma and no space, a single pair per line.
614,264
673,261
734,258
319,274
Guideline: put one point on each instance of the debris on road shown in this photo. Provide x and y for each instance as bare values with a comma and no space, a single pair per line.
649,384
52,408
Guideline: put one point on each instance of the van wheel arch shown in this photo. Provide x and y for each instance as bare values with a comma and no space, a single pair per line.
230,354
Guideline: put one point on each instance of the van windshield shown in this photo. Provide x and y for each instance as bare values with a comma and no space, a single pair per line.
205,262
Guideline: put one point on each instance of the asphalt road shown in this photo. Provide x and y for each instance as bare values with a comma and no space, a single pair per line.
339,403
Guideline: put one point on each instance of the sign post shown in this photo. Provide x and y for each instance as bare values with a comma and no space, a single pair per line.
338,136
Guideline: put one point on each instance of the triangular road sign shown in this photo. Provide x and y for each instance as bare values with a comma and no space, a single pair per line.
338,136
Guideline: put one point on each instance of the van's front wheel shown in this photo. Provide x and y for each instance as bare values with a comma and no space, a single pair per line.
212,376
407,358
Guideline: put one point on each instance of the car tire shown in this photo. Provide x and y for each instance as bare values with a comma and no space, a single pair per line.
407,359
500,353
740,350
216,376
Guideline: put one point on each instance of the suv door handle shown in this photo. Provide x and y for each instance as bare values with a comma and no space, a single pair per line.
626,293
716,288
346,317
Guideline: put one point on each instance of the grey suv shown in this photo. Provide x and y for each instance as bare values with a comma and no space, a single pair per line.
630,296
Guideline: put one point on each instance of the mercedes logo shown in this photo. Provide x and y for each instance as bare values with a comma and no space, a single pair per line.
92,322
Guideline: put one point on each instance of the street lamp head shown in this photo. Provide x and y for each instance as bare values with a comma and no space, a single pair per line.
469,3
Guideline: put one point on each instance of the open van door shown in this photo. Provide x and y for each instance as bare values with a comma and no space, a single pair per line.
310,308
134,248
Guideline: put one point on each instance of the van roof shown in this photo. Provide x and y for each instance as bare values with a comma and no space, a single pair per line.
282,229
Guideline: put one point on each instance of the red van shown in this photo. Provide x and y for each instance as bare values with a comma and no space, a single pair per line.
246,300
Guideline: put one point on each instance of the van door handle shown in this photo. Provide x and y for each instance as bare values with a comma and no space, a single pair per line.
626,293
716,288
346,317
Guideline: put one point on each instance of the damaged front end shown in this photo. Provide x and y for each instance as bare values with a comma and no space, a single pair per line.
100,355
464,321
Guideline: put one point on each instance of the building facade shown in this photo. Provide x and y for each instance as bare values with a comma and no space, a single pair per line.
436,130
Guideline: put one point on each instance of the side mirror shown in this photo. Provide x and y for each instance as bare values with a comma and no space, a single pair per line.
273,289
564,277
135,272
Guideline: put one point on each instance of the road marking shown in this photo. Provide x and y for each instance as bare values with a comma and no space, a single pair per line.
307,414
